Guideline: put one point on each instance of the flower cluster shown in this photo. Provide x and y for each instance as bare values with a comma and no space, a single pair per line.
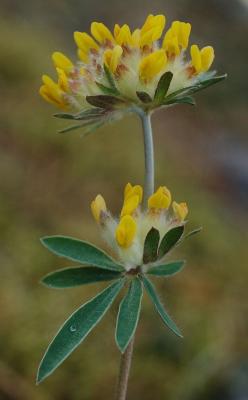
127,65
126,235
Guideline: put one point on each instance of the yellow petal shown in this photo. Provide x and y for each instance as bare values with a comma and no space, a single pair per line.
178,36
112,57
117,29
166,193
182,31
52,88
136,38
85,42
130,205
130,191
196,58
153,21
62,62
161,199
101,33
47,95
126,231
98,206
152,64
62,80
152,29
207,58
124,36
202,59
180,210
82,56
185,34
44,92
171,46
127,189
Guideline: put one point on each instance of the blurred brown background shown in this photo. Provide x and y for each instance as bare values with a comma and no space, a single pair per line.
48,181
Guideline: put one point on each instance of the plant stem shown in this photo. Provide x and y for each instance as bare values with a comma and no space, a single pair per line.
149,155
126,357
125,364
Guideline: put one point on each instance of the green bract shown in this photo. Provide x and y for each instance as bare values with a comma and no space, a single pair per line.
97,266
110,105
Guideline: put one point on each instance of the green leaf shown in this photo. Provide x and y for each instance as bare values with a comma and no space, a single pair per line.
76,276
144,97
86,126
70,128
163,86
151,246
180,93
169,240
159,306
204,83
76,328
91,113
110,78
209,82
166,269
83,115
92,127
80,251
194,232
104,101
128,316
64,116
181,100
107,90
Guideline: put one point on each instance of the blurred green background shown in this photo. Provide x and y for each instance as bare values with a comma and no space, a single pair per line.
48,181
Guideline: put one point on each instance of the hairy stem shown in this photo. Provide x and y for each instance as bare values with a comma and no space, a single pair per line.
125,364
126,357
149,155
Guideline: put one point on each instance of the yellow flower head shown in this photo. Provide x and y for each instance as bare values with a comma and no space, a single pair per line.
128,69
126,234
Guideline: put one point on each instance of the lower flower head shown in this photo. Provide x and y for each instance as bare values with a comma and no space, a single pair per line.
126,234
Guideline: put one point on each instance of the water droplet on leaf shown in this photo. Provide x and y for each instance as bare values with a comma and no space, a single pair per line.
73,328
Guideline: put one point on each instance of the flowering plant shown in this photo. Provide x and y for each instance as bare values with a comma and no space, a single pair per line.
118,73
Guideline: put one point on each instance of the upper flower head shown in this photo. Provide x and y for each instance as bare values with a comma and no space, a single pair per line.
126,234
124,70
